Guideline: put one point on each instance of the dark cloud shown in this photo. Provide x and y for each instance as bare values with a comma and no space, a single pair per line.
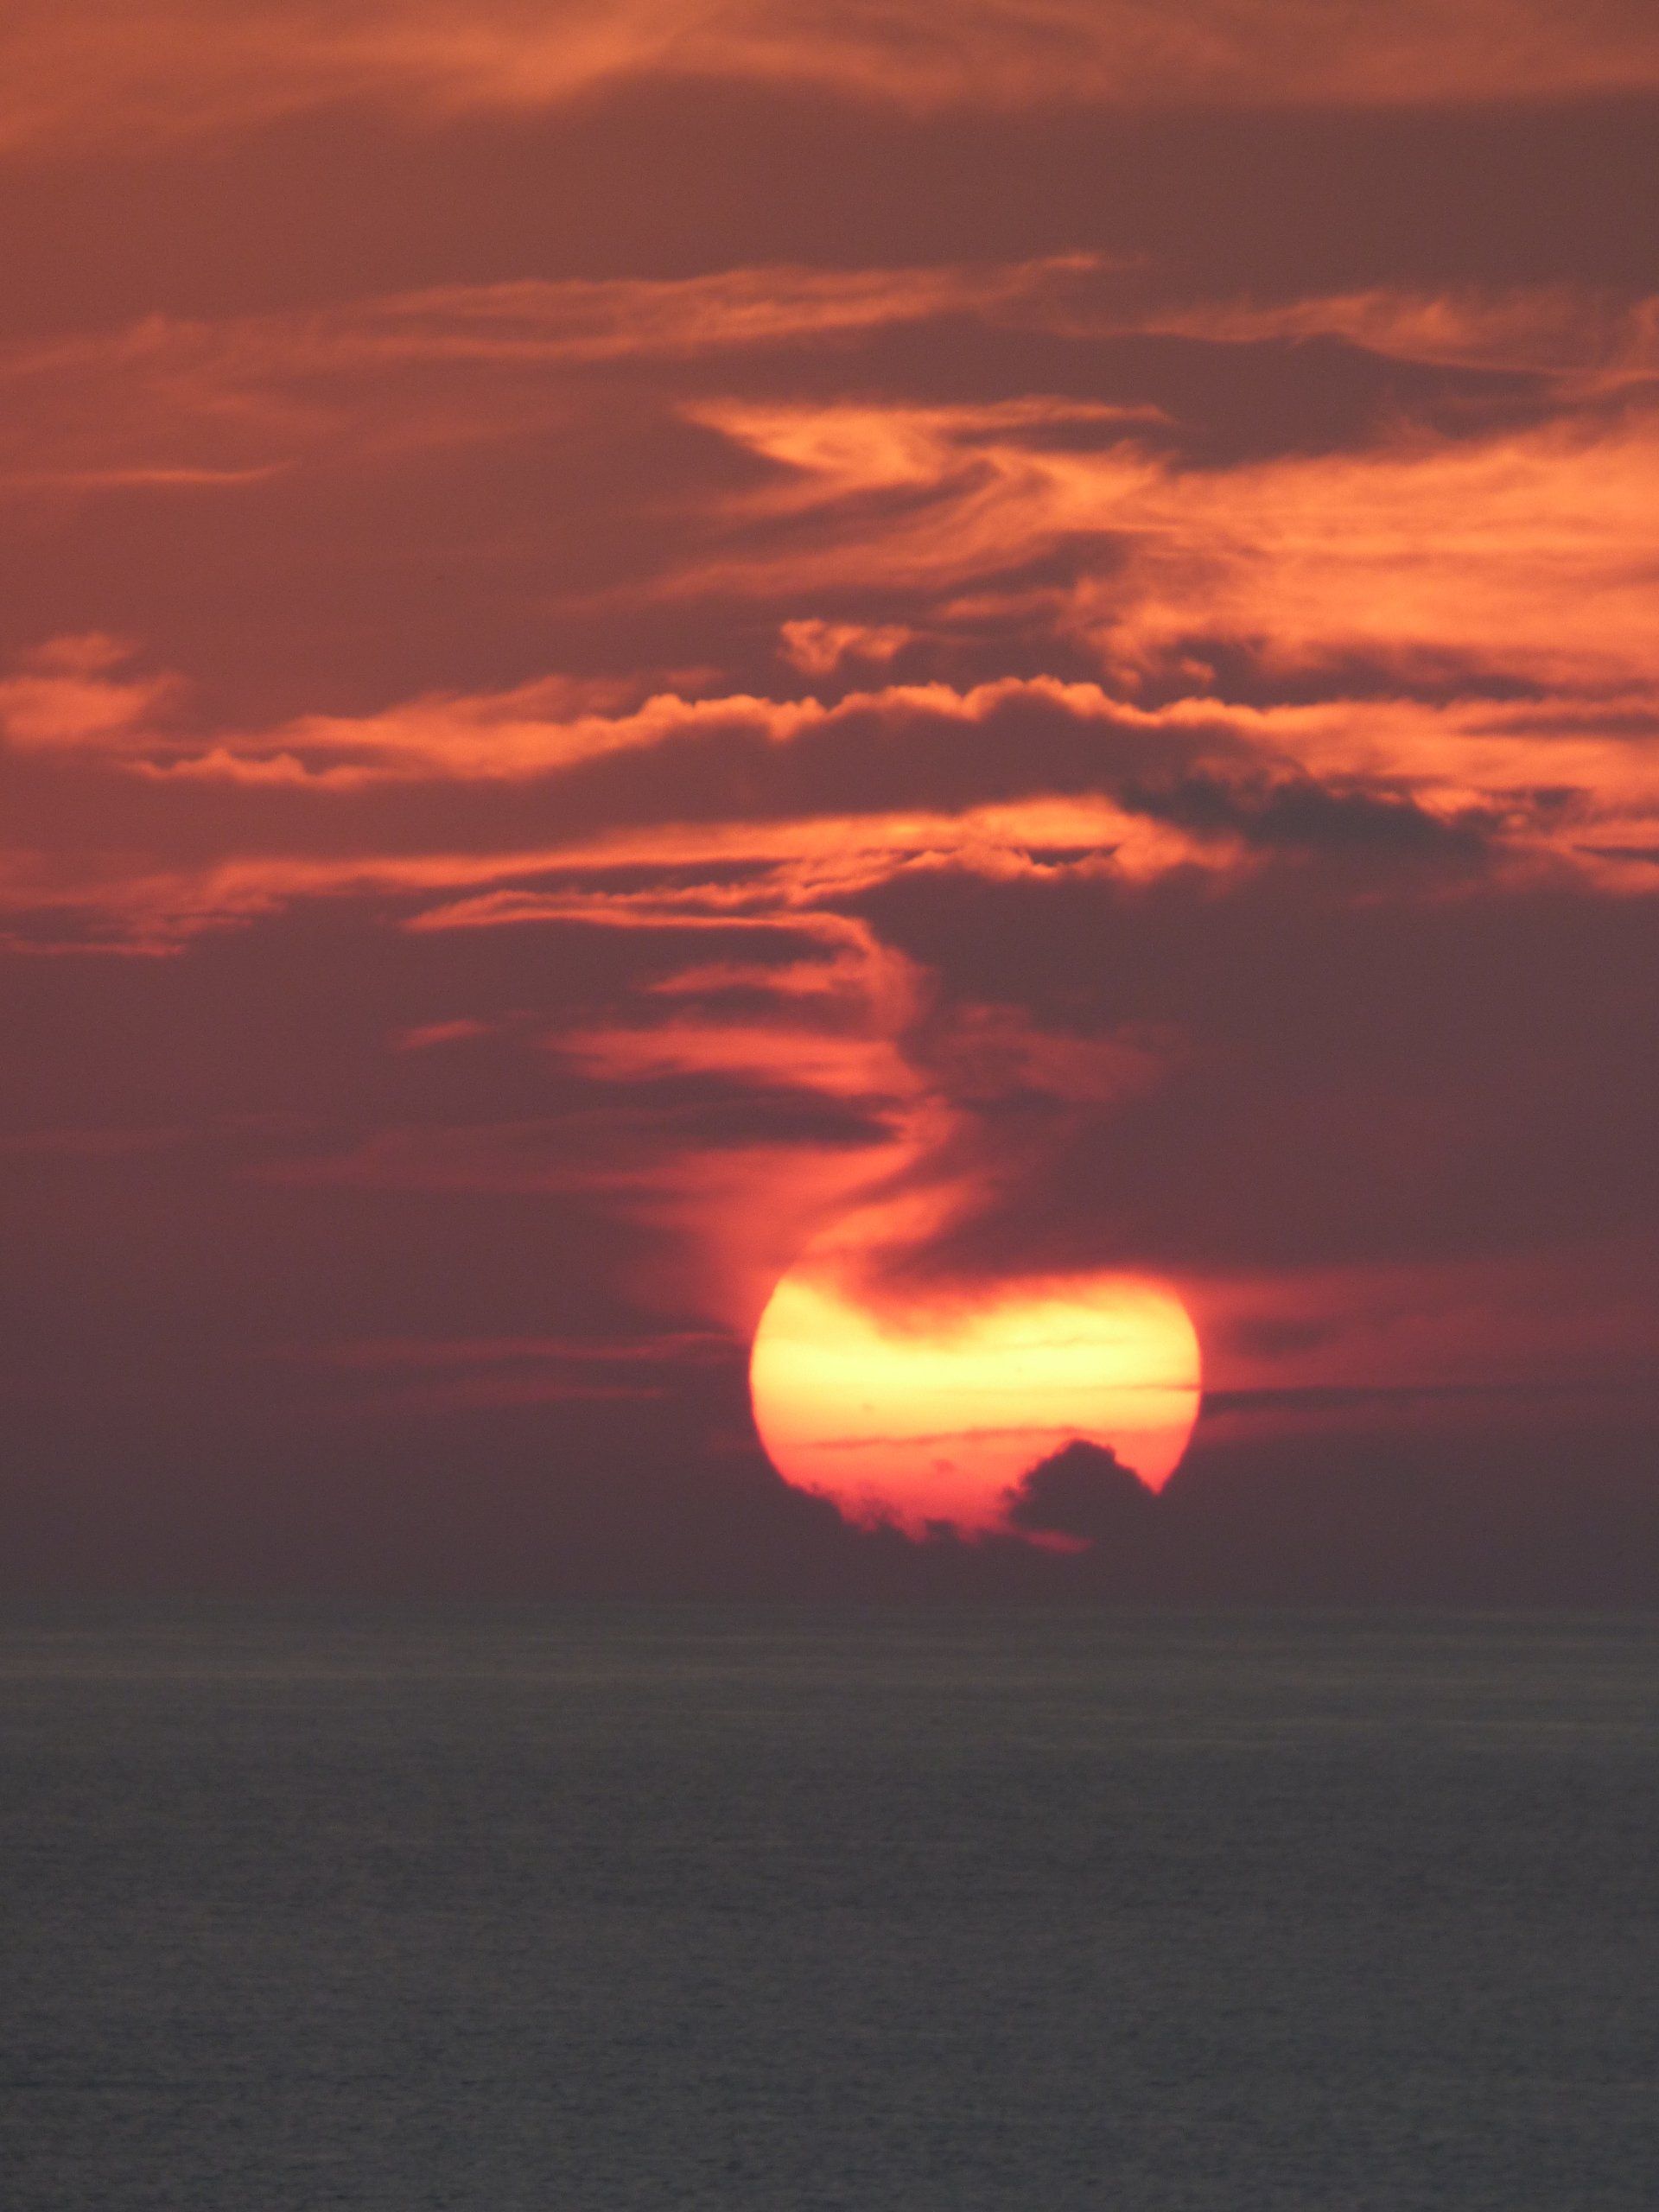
1300,814
1392,1077
1082,1491
662,179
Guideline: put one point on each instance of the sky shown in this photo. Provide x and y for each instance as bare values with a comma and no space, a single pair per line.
632,637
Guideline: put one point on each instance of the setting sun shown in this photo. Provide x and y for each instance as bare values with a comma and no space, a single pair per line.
932,1411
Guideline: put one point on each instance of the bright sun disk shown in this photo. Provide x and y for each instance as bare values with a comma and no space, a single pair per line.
932,1412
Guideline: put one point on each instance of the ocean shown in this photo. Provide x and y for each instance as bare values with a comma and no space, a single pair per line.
665,1909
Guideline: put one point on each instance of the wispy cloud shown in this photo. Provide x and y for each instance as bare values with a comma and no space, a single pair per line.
95,70
1521,555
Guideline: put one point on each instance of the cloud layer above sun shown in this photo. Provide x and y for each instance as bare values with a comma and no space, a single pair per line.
81,69
634,638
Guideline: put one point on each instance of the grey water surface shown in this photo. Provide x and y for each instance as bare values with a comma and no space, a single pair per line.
655,1909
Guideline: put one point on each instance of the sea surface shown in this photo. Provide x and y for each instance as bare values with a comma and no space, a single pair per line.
656,1909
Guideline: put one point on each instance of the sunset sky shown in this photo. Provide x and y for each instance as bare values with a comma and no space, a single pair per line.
1007,640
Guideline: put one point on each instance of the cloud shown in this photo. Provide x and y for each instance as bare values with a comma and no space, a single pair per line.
1083,1495
92,70
1516,556
795,1058
664,1349
1387,1079
739,813
174,403
68,692
819,648
1587,346
171,403
880,533
448,1375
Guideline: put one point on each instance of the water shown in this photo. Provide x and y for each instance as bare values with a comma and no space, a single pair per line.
607,1909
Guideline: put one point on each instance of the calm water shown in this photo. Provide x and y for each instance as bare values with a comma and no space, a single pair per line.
600,1910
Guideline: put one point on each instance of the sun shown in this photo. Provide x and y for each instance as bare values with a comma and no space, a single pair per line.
931,1410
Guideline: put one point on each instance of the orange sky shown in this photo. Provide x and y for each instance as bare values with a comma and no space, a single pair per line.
631,635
